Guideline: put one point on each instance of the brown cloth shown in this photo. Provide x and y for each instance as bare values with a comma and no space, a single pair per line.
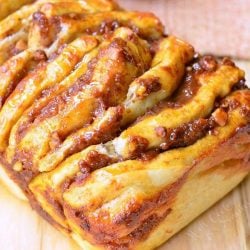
220,27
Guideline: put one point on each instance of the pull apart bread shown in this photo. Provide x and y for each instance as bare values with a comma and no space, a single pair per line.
117,134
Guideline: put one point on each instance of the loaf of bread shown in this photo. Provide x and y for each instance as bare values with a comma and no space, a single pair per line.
116,133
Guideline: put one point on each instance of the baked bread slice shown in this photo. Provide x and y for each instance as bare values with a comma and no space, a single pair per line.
117,134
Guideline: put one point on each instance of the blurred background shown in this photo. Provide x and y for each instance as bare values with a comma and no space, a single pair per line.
218,27
214,26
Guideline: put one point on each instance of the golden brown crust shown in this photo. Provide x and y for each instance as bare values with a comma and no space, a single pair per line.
9,6
135,201
105,122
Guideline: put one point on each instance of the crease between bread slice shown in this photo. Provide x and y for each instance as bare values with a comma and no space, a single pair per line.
107,86
35,82
53,182
9,6
135,187
211,87
31,25
174,54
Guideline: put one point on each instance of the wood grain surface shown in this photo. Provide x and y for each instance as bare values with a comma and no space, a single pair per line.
226,226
